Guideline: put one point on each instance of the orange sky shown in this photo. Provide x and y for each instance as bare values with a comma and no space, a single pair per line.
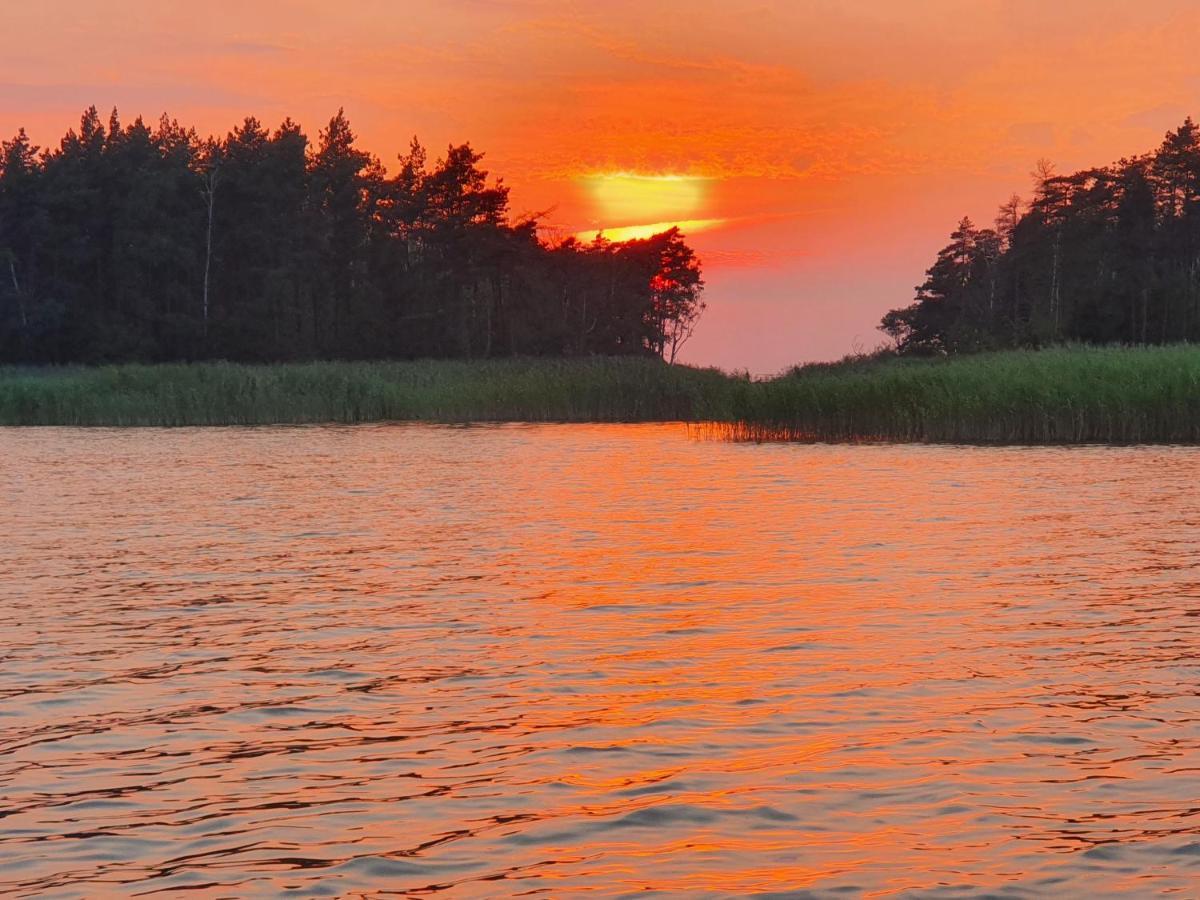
838,142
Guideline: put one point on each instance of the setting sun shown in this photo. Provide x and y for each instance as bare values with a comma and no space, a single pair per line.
626,198
630,205
640,232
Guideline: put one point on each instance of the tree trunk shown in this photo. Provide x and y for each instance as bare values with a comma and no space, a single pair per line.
12,270
1054,285
1145,312
208,242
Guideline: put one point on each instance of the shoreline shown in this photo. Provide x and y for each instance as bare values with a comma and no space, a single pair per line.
1058,396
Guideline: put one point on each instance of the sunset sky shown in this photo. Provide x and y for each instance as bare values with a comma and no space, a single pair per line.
817,152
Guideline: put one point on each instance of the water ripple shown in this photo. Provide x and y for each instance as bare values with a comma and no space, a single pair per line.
542,660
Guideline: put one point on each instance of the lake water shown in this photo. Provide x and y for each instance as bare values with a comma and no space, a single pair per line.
541,660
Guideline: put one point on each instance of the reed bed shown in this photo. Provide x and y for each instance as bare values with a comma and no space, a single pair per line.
1066,395
582,390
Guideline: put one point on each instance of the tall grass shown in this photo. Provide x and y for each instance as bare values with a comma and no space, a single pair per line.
1058,396
1063,395
583,390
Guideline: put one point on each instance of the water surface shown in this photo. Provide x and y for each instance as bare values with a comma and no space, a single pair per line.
541,660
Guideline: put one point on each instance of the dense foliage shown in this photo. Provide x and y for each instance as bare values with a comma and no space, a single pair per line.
1107,255
150,244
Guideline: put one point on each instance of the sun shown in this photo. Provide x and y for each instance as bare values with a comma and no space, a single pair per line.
641,232
630,205
627,198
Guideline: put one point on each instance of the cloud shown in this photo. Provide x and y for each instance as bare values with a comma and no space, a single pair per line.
132,99
1031,134
714,258
1163,115
253,48
640,232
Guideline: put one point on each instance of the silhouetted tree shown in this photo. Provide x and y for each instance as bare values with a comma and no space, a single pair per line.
1105,255
131,242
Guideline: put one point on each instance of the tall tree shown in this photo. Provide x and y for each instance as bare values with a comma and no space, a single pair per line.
1104,254
150,243
22,222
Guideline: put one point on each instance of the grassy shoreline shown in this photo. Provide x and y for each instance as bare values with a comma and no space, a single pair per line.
598,389
1057,396
1063,395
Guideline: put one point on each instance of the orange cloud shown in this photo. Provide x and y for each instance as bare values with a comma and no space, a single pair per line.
639,232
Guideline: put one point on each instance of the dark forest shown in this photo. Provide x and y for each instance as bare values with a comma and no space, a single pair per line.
140,243
1107,256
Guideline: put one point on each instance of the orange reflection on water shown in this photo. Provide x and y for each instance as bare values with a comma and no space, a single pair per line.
498,660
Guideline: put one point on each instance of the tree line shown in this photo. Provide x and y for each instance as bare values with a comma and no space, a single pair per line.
1104,255
133,242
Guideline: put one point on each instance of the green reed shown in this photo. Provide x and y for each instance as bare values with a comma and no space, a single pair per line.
1064,395
581,390
1056,396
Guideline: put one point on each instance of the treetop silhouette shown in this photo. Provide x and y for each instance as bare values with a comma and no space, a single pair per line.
132,242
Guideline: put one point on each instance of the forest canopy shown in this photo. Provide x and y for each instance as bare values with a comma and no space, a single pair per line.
1108,255
150,243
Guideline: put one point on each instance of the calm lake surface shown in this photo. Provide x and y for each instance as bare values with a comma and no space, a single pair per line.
543,660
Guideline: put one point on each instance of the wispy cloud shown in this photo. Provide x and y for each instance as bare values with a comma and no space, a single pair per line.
639,232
